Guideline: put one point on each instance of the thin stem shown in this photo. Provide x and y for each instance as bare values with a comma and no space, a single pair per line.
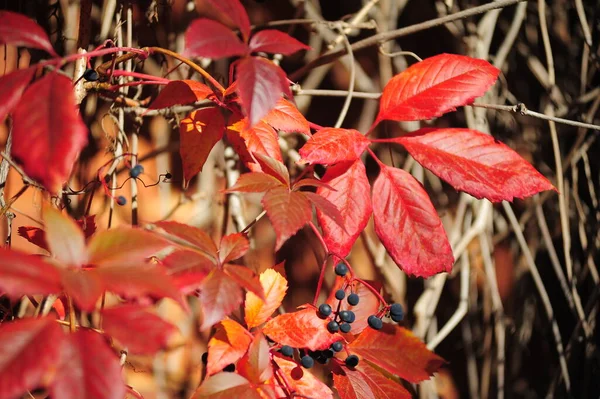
321,279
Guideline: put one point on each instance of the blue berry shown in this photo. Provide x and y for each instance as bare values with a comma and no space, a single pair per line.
287,350
345,315
397,318
90,75
375,322
345,327
353,299
333,326
121,200
325,310
397,310
337,346
230,368
352,361
136,171
205,357
341,269
340,294
307,361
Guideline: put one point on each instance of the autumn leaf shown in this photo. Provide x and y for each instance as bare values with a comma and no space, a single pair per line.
381,348
23,274
408,225
229,343
254,182
219,296
288,211
286,117
256,363
211,39
232,10
12,87
257,311
350,194
19,30
245,278
232,247
193,237
274,168
302,381
64,237
366,382
48,132
301,329
332,145
226,385
435,86
180,92
475,162
275,42
188,269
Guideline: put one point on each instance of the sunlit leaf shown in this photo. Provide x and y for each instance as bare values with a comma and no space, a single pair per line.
365,382
288,211
232,247
303,381
254,182
180,92
188,269
234,11
211,39
64,237
229,343
84,286
124,246
19,30
245,278
226,386
332,145
256,363
12,87
191,236
276,42
258,311
24,274
286,117
219,296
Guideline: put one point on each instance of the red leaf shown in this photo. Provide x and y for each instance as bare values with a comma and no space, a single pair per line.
124,247
476,163
180,92
257,310
22,274
260,85
199,133
232,247
286,117
219,296
353,201
226,386
34,235
276,42
245,278
302,381
88,369
435,86
188,269
254,182
262,139
234,11
288,211
12,87
365,382
327,207
368,305
64,237
382,348
229,343
332,145
274,168
19,30
28,352
256,364
48,132
211,39
192,236
301,329
137,329
408,225
84,286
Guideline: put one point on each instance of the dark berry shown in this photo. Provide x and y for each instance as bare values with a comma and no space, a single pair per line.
121,200
230,368
397,318
345,327
90,75
352,317
205,357
287,350
307,361
168,176
325,310
328,353
136,171
352,361
345,315
340,294
396,309
375,322
353,299
321,358
341,269
333,326
337,346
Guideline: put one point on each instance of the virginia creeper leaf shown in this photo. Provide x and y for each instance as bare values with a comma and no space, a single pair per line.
64,237
245,278
476,163
301,329
180,92
19,30
188,269
24,274
257,311
435,86
229,343
254,182
256,363
192,236
381,347
28,351
88,368
219,296
408,225
232,247
288,211
302,381
211,39
225,386
198,134
12,87
273,167
286,117
260,85
136,328
124,247
275,42
262,139
235,12
84,286
366,382
48,132
332,145
37,236
351,198
327,207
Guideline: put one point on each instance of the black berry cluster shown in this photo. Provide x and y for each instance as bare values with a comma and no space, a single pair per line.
396,312
308,358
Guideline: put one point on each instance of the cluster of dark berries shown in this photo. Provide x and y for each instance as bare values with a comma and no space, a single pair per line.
343,319
307,359
396,312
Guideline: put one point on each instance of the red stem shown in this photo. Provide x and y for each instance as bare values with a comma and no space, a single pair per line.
119,72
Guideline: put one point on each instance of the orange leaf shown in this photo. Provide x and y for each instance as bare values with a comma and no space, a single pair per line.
286,117
192,236
180,92
256,364
229,343
226,386
365,382
64,237
302,381
258,311
288,211
232,247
